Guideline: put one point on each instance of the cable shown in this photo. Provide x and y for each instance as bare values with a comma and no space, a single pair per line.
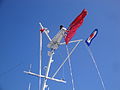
94,61
70,66
66,59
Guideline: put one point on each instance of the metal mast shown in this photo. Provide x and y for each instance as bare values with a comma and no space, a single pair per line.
40,63
47,70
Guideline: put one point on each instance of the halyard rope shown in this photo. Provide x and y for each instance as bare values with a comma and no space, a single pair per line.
96,66
70,66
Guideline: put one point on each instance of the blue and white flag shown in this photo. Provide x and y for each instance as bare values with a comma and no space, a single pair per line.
91,37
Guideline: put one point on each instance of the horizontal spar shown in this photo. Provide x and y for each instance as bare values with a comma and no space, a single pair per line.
72,42
42,76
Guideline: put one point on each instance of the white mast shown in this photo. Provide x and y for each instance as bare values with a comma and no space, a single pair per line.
47,71
40,63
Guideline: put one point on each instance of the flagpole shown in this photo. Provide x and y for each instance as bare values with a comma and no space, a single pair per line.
40,62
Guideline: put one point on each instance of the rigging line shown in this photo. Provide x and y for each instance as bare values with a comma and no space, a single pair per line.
63,73
96,66
66,59
40,60
70,66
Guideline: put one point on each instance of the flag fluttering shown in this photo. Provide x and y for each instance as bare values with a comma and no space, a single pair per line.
91,37
75,25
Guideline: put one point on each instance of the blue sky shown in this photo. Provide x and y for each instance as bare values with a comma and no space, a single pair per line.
19,42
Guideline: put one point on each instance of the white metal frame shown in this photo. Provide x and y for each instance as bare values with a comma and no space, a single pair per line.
50,54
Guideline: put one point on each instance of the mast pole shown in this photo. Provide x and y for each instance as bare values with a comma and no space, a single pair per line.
40,63
48,69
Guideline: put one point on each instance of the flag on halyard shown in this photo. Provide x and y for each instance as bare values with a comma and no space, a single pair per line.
91,37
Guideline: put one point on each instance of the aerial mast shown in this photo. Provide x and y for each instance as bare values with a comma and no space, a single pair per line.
55,42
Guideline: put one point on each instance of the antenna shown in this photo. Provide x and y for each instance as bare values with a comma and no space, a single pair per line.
29,86
41,25
30,67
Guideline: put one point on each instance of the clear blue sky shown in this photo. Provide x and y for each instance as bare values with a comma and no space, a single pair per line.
19,42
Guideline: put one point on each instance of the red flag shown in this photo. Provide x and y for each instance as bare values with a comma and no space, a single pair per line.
75,25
